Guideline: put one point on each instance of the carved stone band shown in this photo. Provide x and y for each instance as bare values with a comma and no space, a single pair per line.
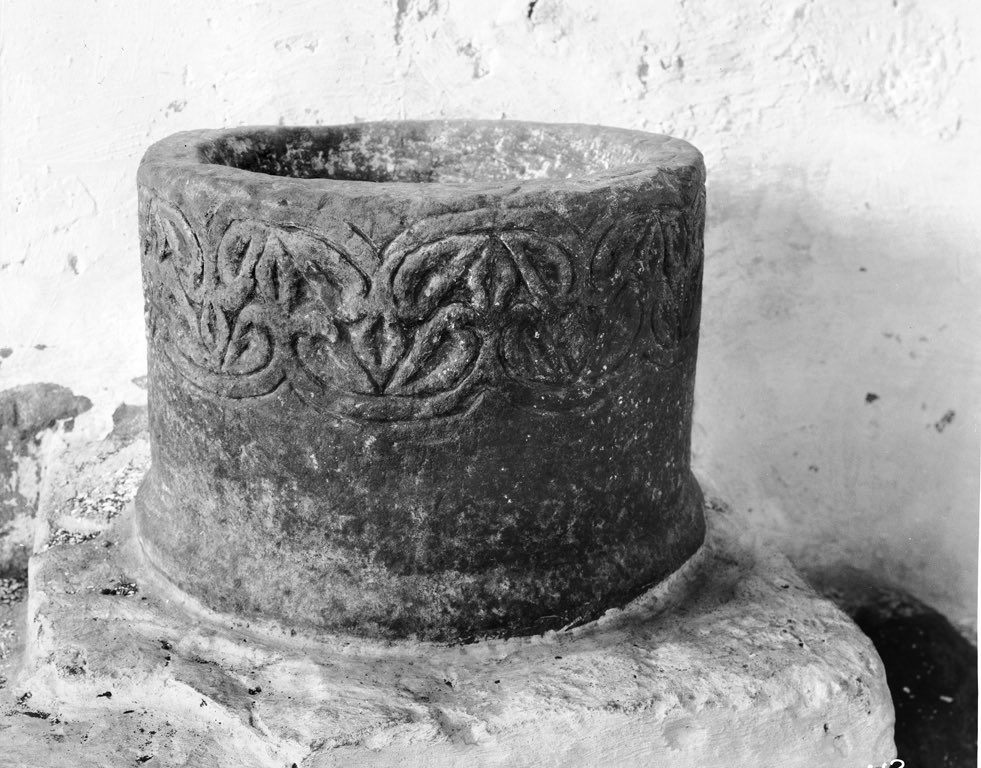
421,378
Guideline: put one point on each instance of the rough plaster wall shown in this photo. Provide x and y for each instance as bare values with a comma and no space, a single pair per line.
842,142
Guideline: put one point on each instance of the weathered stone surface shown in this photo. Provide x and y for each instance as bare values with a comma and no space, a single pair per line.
732,661
26,412
428,379
82,484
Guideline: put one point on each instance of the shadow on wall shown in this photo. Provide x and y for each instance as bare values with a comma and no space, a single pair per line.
932,671
836,390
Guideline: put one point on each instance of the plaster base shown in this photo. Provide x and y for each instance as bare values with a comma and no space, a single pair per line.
734,661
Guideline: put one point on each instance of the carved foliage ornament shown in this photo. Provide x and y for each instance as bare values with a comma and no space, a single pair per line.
419,329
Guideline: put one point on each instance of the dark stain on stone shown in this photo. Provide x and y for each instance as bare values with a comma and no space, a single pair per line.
401,8
871,397
932,670
531,8
128,422
643,70
121,589
13,587
104,695
62,536
35,713
6,352
944,421
40,347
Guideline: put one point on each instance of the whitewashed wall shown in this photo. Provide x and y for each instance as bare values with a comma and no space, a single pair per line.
843,146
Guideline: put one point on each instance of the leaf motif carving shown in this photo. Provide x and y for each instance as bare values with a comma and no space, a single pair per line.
492,279
250,348
416,327
431,272
184,252
337,343
213,331
332,366
616,331
238,251
622,250
544,350
675,315
338,284
443,352
545,268
378,345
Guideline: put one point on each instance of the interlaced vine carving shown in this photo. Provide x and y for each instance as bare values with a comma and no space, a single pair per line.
419,327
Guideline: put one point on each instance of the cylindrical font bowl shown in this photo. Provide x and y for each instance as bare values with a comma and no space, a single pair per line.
421,378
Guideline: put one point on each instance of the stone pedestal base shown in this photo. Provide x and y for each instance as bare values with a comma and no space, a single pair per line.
734,661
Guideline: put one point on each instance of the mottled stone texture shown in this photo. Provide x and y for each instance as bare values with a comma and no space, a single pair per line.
732,661
421,378
25,413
